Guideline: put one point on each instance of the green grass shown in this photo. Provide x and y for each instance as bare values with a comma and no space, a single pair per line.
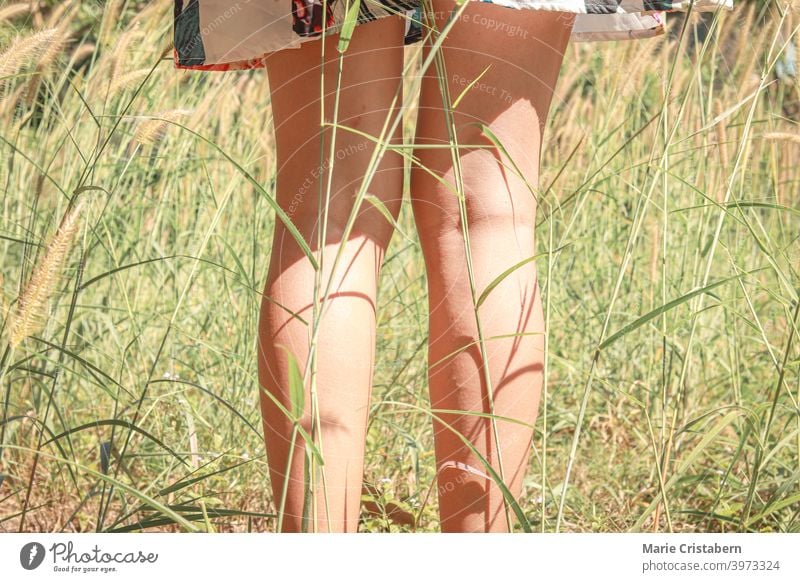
669,243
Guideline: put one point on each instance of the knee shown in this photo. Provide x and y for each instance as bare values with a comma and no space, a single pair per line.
313,200
490,199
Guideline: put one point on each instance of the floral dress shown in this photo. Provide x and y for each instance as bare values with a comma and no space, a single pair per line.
224,35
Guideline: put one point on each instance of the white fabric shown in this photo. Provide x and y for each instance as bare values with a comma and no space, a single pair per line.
240,31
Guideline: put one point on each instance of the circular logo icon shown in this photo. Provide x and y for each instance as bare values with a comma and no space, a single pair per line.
31,555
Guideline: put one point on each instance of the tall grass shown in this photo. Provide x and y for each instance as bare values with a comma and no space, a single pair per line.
668,241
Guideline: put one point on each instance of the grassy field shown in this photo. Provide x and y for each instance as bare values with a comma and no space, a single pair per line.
670,233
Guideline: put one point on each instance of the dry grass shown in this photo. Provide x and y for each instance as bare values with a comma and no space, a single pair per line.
686,394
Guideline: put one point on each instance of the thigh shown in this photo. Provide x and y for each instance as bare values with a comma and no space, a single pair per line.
303,87
516,56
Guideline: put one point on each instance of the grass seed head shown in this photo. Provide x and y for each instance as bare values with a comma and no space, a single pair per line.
151,131
782,136
31,305
26,50
14,11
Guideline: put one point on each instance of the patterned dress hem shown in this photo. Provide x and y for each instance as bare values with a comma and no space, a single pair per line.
595,21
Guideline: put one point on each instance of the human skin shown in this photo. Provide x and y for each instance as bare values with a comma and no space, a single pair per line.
512,99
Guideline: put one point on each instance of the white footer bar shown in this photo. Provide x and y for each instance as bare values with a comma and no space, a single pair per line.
400,557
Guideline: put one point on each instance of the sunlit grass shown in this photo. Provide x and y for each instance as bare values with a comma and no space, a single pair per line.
669,265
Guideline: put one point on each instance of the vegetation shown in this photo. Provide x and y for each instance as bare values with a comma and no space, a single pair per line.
135,214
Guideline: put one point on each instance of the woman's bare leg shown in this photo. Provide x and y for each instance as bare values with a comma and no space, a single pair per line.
525,50
345,346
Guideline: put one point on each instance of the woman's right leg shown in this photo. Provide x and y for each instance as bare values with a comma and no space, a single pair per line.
517,74
372,69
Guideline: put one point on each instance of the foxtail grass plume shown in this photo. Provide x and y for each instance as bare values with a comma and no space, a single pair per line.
128,80
14,11
151,131
722,134
56,18
168,50
111,18
57,45
83,52
31,305
25,50
722,145
655,253
782,136
49,55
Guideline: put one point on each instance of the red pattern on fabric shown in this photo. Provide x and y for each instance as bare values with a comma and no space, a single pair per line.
306,21
256,63
307,16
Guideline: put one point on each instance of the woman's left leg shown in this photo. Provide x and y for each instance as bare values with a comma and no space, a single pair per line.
523,50
345,332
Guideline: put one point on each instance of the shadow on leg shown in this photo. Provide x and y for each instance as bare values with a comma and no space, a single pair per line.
346,337
512,98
